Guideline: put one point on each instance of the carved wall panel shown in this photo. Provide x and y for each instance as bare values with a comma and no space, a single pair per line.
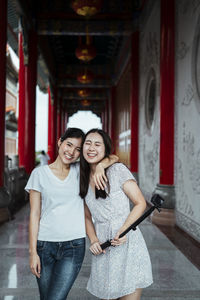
149,116
187,123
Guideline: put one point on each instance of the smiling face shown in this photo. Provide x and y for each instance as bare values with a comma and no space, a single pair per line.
93,148
69,150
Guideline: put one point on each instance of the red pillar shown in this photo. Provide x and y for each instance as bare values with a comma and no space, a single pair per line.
3,39
134,101
167,92
50,128
58,118
27,103
21,119
165,187
31,82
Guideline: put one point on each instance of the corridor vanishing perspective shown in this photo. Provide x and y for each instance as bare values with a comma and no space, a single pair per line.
135,65
175,277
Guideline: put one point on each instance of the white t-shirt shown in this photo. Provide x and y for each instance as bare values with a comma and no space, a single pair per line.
62,212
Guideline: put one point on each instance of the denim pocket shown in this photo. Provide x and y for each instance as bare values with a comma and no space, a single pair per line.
40,245
78,243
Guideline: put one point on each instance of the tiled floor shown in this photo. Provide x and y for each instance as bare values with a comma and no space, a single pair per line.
175,277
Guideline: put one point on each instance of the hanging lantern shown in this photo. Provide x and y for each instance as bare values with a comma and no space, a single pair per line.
86,52
84,93
87,8
85,102
85,76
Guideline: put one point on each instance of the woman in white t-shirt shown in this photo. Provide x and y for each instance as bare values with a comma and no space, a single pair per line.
57,226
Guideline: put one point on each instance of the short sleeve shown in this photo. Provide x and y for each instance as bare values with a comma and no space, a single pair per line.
124,174
34,181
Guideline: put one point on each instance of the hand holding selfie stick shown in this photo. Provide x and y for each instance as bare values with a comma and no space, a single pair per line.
157,201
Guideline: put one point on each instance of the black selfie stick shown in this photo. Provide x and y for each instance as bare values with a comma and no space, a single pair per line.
157,201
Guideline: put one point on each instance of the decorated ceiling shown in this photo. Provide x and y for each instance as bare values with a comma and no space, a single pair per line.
82,45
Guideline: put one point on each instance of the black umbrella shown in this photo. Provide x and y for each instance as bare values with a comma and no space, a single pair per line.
157,201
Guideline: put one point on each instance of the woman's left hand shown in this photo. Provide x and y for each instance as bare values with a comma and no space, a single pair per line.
99,177
118,241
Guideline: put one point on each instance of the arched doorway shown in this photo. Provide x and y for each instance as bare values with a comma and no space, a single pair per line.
84,120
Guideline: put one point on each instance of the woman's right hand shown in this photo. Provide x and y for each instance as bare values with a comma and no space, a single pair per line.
34,263
95,248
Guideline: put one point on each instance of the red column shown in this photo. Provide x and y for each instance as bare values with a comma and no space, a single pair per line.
50,128
21,119
3,38
27,103
58,119
31,82
167,92
134,101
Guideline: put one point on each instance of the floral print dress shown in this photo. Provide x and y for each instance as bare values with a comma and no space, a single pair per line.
124,268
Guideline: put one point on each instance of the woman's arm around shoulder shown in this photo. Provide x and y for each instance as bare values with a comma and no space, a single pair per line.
99,176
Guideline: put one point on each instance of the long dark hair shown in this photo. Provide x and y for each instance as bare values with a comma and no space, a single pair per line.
85,167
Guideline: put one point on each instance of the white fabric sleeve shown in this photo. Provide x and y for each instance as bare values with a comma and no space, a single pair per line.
124,174
34,181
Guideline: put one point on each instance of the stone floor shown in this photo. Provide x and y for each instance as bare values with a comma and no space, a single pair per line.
175,277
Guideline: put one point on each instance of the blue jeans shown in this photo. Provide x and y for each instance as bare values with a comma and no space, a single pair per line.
60,265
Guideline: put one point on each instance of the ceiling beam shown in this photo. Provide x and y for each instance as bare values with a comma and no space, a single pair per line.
75,84
98,28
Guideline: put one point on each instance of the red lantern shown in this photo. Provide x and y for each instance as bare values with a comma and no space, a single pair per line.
83,93
86,8
86,52
85,102
85,76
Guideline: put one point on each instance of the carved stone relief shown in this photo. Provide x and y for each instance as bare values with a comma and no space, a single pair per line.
182,201
150,161
189,6
182,50
192,159
189,95
151,55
